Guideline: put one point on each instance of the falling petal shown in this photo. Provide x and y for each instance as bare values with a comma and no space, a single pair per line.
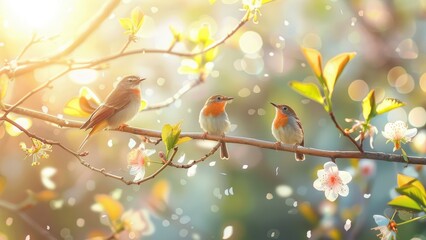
227,232
181,159
132,143
192,171
308,234
367,195
381,220
46,174
348,224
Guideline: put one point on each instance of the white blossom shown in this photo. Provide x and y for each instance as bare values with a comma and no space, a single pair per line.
386,227
398,133
332,181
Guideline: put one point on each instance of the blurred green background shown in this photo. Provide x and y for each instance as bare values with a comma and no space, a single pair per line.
262,194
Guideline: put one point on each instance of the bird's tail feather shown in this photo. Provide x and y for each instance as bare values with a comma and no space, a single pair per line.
100,126
223,151
299,156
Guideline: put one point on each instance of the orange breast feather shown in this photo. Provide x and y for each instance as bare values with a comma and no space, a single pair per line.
136,91
280,120
214,109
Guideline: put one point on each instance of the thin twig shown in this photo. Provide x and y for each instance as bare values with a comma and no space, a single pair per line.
85,31
29,44
333,118
35,90
129,40
192,163
389,157
163,51
167,163
186,88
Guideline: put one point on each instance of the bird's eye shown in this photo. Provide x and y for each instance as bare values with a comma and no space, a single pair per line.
285,108
218,98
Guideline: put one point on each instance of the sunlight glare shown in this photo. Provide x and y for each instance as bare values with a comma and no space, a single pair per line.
36,14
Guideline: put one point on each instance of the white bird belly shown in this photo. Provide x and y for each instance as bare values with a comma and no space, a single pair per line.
124,115
216,125
290,134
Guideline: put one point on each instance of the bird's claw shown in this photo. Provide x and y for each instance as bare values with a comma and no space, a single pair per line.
277,145
122,126
204,135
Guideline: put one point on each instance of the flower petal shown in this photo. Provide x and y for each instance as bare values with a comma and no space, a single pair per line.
321,173
331,195
318,185
381,220
343,190
134,169
139,175
345,177
410,133
149,152
330,167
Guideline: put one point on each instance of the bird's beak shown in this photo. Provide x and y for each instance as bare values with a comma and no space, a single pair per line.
228,98
275,105
141,79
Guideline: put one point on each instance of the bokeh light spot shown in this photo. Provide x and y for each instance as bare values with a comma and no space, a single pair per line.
83,76
417,117
394,74
357,90
312,40
250,42
422,82
408,49
419,142
405,83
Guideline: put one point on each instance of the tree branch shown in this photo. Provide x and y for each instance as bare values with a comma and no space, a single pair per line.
166,163
333,118
186,88
238,140
199,160
90,26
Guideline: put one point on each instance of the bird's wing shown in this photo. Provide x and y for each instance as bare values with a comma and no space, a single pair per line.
119,99
101,113
114,102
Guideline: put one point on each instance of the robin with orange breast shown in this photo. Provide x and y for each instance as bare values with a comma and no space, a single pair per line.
287,128
120,106
214,119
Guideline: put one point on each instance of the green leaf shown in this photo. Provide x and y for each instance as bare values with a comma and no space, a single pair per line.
404,155
414,193
170,136
368,106
166,136
127,25
334,67
204,34
137,19
314,59
177,35
388,104
405,202
411,187
210,55
143,105
309,90
183,140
